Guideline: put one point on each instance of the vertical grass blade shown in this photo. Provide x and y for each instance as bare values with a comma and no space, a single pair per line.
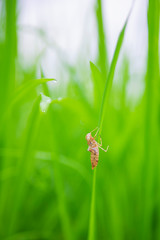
91,235
102,48
151,119
59,186
110,77
11,46
98,87
45,86
106,92
8,51
24,166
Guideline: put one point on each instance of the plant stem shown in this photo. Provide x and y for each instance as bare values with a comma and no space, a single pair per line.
105,98
151,119
91,235
102,49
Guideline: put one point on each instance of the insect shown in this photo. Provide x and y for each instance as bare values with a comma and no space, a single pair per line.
94,147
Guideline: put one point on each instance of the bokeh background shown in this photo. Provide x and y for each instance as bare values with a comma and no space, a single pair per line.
55,58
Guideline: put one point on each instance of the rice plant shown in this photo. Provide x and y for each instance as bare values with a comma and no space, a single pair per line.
48,189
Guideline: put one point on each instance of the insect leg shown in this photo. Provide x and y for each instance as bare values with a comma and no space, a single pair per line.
96,132
93,130
105,150
100,144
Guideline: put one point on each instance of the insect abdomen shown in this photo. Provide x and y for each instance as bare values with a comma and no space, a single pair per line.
94,157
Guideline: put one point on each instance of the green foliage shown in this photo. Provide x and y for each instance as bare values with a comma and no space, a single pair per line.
105,97
47,187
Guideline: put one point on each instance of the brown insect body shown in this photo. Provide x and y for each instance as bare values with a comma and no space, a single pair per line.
94,149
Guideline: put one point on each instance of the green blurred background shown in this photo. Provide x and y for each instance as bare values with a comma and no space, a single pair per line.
45,170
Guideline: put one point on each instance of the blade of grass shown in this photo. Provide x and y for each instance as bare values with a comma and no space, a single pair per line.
20,93
106,92
110,77
102,48
151,121
59,187
11,46
8,54
44,85
24,166
8,47
91,235
28,86
98,87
